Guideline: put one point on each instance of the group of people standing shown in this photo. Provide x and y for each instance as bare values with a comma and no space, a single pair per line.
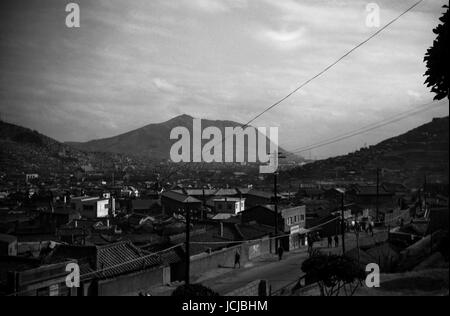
330,241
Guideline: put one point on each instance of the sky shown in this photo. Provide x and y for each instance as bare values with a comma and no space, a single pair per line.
133,63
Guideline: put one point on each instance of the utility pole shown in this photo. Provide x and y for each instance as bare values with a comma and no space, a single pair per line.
425,192
277,155
343,221
275,193
378,193
188,253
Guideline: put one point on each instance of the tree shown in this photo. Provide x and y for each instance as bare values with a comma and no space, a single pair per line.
334,273
194,290
436,60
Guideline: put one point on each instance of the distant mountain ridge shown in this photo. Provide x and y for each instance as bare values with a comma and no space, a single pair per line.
407,158
153,141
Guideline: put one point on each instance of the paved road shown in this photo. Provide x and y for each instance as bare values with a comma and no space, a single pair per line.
279,274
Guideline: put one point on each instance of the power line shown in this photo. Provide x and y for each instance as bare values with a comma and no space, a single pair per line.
333,64
368,128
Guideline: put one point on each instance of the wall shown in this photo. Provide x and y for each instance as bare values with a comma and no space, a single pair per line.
102,208
223,258
255,288
294,217
132,284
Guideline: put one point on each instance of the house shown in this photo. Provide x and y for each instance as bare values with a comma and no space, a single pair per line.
174,202
30,277
31,177
311,193
117,269
8,245
294,224
227,192
368,196
91,207
397,189
255,197
294,218
151,207
227,205
262,214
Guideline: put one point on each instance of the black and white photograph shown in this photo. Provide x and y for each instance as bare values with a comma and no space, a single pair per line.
229,155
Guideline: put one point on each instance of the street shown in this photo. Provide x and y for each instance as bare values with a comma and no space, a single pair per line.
280,274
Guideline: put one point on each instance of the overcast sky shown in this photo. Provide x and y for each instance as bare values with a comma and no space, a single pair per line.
138,62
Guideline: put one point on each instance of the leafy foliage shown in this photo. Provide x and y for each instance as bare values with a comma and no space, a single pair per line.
194,290
334,273
436,60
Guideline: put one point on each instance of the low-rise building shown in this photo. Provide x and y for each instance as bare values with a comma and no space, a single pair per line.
91,207
173,203
232,206
8,245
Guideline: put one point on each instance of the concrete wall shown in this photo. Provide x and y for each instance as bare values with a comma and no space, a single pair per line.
225,258
131,284
222,259
255,288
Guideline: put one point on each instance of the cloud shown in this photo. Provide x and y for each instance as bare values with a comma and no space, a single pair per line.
164,85
135,63
215,6
284,39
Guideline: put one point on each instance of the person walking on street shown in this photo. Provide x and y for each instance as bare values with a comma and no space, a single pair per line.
237,260
280,253
336,241
330,242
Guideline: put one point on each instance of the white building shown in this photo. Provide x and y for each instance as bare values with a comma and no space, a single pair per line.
91,207
229,205
31,176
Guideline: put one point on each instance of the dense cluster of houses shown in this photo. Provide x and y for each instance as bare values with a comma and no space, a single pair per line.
128,240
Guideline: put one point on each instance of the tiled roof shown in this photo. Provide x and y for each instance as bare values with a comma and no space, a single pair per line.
122,258
261,194
224,192
199,192
144,204
8,238
244,190
109,260
171,256
370,190
180,197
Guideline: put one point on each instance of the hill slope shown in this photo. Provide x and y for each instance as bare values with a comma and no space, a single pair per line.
27,151
152,141
407,158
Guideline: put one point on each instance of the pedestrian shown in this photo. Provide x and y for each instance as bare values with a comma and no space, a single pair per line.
330,242
336,241
237,260
280,253
308,241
